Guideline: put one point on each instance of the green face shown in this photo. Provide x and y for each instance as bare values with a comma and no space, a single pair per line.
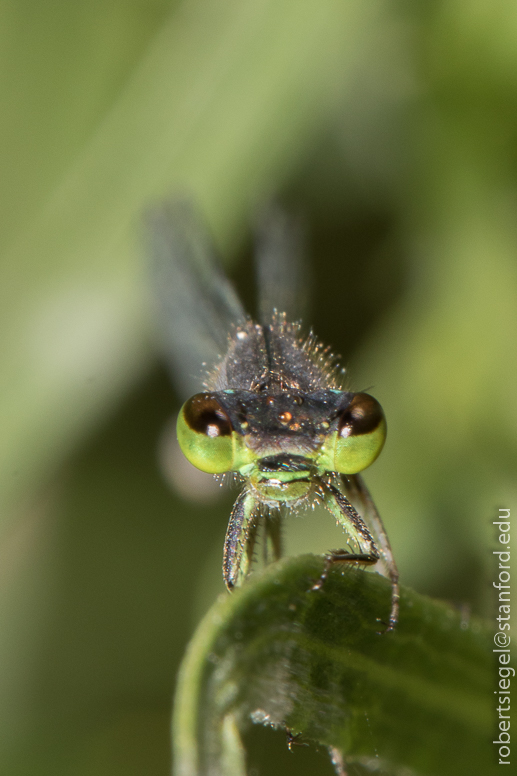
216,438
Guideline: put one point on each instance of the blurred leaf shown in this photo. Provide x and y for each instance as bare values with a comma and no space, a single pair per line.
440,360
313,662
225,101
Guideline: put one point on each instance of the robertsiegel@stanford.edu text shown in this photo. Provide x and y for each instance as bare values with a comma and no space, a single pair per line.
502,638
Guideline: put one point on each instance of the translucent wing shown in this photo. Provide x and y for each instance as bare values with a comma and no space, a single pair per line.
281,269
197,305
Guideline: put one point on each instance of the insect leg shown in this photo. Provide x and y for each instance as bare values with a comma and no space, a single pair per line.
273,535
240,539
345,514
356,488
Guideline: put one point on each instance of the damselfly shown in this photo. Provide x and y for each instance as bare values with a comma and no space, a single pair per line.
265,402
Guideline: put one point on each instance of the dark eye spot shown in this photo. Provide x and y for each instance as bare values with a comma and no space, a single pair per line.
362,416
204,414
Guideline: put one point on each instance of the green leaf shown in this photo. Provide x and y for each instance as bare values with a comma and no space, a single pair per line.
318,663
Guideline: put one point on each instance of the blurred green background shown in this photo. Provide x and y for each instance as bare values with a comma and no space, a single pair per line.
391,128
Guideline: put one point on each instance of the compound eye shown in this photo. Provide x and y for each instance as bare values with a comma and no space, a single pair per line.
205,434
361,434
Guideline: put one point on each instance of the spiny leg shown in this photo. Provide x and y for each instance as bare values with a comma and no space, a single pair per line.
345,514
240,539
356,488
293,739
273,545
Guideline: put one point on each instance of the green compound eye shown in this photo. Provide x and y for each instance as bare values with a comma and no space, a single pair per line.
361,434
205,434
